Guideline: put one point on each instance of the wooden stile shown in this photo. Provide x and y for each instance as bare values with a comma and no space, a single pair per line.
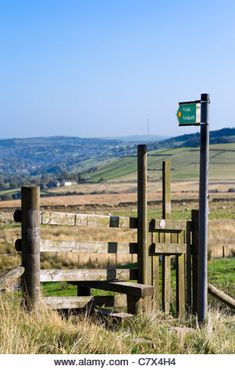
157,242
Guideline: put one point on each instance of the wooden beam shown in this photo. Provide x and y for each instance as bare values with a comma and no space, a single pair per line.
168,225
87,274
133,289
57,303
87,247
87,220
169,248
223,297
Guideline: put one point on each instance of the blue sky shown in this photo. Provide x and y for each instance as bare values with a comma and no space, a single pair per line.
104,67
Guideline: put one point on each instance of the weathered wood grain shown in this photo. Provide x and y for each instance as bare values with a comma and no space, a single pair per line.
87,220
86,274
87,247
169,248
57,303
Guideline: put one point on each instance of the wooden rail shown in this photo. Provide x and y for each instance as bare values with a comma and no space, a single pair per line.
110,274
87,220
223,297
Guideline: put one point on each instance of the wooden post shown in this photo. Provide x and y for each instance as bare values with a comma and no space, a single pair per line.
195,241
30,203
166,190
180,279
166,214
144,261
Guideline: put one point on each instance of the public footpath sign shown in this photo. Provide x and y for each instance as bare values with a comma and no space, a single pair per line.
189,113
195,113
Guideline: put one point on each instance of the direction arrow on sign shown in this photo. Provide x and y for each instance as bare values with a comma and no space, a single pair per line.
189,114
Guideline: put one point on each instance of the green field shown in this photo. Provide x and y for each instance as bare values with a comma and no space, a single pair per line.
184,161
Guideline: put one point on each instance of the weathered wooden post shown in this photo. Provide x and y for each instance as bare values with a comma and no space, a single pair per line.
144,265
30,245
166,213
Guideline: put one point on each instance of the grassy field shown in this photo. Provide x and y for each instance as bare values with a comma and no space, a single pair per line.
185,165
44,331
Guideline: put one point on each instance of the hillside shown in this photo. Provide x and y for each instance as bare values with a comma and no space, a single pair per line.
223,136
185,165
47,159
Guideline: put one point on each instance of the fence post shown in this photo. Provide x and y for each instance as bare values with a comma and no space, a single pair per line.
166,213
30,205
144,261
195,241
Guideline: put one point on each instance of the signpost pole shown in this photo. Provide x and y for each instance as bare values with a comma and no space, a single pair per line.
203,210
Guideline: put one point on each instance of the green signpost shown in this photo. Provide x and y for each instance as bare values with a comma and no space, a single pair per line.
189,113
195,113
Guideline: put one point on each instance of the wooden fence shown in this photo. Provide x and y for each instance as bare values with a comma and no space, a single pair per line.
158,244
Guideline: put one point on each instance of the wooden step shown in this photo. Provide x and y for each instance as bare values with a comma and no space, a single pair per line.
132,289
60,303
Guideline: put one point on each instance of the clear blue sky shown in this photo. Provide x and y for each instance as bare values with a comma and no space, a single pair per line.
103,67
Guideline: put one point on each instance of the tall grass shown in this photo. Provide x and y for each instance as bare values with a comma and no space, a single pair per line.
44,331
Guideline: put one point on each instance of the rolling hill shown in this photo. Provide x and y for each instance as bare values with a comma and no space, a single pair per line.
44,159
184,161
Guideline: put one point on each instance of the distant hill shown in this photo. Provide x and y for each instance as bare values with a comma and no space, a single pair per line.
139,139
223,136
43,159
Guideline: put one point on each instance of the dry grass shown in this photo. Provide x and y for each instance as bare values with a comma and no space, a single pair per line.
44,331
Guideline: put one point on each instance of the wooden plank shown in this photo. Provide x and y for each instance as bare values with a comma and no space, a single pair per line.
133,289
87,220
57,218
169,248
166,283
9,278
57,303
87,274
167,225
87,247
223,297
156,279
180,281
